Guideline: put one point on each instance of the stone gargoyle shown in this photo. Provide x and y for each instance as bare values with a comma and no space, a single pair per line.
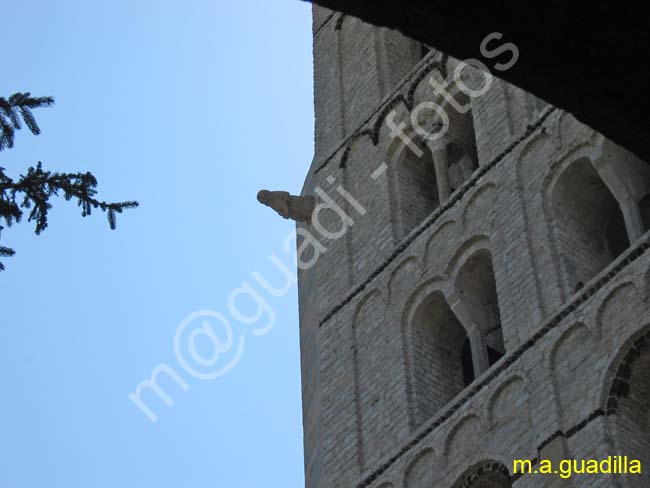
287,205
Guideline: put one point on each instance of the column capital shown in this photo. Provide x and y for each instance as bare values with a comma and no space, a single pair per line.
439,144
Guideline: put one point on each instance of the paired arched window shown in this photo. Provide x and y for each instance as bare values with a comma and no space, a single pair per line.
427,176
456,337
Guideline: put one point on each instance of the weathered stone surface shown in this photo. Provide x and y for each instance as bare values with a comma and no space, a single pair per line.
454,324
573,55
287,205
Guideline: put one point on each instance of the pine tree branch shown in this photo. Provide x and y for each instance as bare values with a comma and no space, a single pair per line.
5,252
34,190
19,106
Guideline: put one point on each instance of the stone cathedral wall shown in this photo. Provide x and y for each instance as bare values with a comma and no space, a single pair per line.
520,259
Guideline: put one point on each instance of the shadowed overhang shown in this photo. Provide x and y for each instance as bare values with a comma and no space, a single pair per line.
589,59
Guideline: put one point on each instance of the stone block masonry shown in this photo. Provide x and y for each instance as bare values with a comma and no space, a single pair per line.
448,333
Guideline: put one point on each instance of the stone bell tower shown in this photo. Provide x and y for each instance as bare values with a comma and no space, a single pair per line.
467,299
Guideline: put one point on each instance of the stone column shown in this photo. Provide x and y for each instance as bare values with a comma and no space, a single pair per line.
632,216
475,334
439,152
479,350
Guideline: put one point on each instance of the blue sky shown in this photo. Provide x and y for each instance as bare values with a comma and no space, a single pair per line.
189,108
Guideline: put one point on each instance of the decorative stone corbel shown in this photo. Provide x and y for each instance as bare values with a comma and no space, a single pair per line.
287,205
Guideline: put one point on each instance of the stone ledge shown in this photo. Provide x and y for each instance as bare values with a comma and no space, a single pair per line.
419,70
437,213
596,284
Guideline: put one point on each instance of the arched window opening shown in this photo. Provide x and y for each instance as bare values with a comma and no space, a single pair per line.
632,419
477,288
590,228
485,475
461,150
491,480
417,188
455,153
440,358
